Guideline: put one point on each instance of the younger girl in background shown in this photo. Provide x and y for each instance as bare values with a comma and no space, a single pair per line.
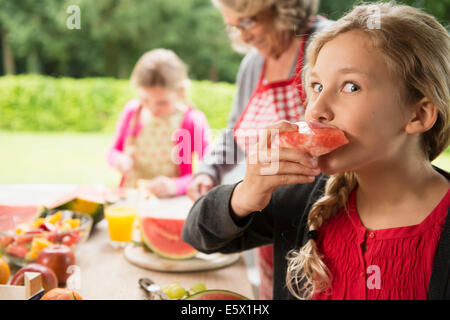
146,140
370,219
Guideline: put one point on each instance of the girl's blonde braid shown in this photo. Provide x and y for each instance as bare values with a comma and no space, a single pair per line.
307,273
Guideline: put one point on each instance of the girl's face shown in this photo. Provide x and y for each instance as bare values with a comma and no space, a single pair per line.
351,88
158,100
252,31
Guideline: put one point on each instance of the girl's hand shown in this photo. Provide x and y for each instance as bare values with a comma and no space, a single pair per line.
162,187
200,186
125,163
270,167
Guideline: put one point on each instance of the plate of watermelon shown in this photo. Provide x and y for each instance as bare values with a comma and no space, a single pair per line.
162,248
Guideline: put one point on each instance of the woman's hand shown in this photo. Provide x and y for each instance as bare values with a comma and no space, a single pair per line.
200,186
270,167
162,187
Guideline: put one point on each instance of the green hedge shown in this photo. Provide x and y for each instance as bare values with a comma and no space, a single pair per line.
41,103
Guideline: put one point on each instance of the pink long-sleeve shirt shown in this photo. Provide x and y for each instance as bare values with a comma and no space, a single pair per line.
193,136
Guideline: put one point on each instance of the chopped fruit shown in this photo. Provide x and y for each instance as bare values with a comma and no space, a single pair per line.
54,218
17,250
23,239
71,238
40,243
6,240
47,226
65,227
37,223
21,229
70,224
28,239
36,247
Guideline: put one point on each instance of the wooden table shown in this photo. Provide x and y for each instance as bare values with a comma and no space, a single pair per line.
106,274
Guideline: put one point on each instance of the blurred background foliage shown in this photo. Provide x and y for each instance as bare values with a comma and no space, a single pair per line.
55,79
48,104
115,33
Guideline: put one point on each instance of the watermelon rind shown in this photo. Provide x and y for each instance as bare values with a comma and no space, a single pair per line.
201,294
94,209
143,245
148,245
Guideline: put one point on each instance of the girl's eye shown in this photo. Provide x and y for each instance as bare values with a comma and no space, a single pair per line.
317,87
350,87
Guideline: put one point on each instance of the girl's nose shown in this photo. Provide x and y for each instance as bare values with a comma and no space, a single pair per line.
320,109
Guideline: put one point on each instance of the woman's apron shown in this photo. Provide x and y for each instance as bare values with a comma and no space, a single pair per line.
270,103
152,149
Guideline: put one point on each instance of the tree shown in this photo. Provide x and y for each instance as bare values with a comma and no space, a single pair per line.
115,33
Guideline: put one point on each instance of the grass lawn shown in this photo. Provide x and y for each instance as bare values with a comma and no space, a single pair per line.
72,158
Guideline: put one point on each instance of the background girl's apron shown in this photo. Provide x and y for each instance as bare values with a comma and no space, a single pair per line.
152,149
270,103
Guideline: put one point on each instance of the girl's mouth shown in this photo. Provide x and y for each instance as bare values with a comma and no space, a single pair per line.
313,124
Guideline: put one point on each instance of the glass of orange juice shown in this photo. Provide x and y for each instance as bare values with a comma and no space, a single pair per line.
120,218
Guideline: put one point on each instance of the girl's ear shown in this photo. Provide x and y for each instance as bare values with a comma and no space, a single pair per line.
424,118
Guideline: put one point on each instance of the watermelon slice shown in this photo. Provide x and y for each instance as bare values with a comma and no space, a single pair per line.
17,250
12,216
83,199
216,295
315,139
163,237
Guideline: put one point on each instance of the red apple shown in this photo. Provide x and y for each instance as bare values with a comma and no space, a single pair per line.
49,279
57,257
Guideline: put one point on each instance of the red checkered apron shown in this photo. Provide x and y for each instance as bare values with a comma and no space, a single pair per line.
270,103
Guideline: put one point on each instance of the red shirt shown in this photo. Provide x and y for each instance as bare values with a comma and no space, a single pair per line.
396,263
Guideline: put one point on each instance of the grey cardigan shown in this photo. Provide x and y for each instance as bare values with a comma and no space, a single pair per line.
226,154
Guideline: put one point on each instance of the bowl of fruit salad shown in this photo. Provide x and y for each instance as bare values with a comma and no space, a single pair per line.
23,244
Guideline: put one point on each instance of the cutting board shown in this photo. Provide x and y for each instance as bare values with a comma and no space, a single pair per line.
174,208
138,256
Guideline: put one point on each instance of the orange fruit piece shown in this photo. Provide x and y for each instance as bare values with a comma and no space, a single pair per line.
61,294
4,272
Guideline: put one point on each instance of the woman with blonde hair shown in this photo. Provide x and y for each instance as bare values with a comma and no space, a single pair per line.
369,220
274,33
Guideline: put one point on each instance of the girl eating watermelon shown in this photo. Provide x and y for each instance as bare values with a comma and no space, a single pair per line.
148,145
368,220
